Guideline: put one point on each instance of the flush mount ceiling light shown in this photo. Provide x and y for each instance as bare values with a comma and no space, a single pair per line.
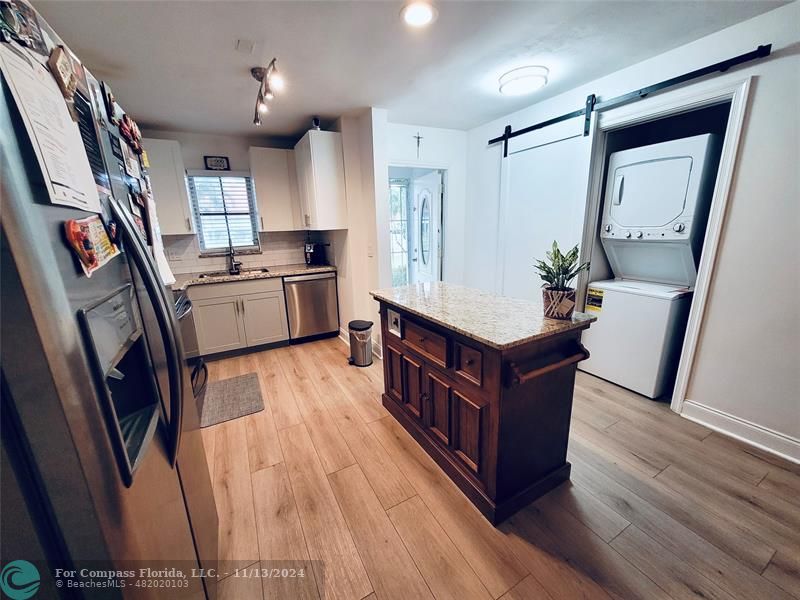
418,13
523,80
270,81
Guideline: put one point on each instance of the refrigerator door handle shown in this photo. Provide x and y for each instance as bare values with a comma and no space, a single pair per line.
166,325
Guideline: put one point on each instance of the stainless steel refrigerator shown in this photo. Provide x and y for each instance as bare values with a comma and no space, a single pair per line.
102,457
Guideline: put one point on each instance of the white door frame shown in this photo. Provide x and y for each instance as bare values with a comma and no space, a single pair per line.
672,103
443,171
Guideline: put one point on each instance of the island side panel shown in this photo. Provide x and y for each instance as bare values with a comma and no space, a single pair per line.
535,419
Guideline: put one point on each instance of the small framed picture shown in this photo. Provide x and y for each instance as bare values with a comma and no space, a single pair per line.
217,163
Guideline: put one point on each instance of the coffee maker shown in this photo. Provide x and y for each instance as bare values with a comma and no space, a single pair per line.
316,254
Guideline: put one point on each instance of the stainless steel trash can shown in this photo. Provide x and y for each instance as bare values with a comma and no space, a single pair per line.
360,343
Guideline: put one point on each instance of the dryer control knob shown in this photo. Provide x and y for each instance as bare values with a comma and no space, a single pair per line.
627,234
639,235
678,227
608,228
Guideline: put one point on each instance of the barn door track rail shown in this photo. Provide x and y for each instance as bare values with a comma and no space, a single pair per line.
593,104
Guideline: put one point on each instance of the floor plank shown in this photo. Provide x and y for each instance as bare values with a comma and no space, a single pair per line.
389,483
595,515
783,484
363,394
446,572
708,559
238,543
482,545
527,589
581,546
279,392
669,572
327,535
735,448
538,549
240,588
390,568
263,448
725,533
280,536
329,443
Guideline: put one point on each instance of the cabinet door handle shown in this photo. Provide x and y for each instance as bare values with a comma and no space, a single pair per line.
469,362
262,223
188,224
236,304
242,301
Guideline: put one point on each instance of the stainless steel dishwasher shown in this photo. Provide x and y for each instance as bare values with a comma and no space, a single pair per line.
311,304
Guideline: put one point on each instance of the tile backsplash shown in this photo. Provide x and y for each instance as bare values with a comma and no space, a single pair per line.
279,248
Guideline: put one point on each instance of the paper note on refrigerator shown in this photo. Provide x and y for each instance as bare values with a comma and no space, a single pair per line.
55,137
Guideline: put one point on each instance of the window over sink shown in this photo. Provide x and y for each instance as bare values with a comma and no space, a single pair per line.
224,207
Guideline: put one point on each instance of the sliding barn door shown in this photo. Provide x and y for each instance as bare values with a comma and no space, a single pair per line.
543,198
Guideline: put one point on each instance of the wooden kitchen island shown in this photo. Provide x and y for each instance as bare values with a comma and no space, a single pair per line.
484,383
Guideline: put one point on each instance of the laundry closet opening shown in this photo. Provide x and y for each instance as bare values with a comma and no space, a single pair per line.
416,197
658,185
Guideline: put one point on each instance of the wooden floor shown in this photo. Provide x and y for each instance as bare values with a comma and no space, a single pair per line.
323,478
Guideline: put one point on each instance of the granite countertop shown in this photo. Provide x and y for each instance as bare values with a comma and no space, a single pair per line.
495,321
184,280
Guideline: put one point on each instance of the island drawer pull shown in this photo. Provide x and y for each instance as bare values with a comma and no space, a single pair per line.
519,375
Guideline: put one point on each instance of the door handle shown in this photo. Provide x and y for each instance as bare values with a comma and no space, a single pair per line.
619,189
167,326
241,300
262,223
188,224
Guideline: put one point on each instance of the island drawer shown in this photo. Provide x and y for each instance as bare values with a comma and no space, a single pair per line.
469,363
423,340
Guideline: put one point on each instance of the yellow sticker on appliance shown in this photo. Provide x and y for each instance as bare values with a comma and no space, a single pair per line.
594,300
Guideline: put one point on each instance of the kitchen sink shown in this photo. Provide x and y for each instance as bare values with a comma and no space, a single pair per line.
212,274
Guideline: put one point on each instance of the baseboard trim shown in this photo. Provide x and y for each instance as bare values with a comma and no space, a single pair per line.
774,442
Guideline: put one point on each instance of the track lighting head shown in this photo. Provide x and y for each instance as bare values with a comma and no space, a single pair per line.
269,79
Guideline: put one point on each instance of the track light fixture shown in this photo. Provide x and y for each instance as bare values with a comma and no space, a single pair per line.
270,81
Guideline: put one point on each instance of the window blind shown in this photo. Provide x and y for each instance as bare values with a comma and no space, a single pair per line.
225,212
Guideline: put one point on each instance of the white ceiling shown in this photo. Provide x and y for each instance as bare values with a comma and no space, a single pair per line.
173,64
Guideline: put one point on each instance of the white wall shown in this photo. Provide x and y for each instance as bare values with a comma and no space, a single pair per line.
440,149
745,370
354,250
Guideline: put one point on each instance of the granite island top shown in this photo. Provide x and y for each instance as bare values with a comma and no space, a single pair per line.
184,280
495,321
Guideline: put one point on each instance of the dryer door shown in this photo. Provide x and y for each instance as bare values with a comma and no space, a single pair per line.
649,193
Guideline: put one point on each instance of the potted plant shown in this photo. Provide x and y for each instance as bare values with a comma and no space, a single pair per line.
557,273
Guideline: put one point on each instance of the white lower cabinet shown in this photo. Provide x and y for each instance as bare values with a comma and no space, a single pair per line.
264,317
229,316
219,325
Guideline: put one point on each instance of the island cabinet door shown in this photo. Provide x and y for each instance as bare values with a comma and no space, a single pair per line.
412,387
470,422
394,374
438,401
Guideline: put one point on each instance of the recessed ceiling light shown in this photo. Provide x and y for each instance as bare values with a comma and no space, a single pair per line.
523,80
418,13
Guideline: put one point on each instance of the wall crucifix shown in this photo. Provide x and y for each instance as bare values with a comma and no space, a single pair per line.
419,139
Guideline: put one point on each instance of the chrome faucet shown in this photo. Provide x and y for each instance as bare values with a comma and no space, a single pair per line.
234,266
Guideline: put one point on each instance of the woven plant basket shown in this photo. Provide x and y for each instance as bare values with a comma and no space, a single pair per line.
558,304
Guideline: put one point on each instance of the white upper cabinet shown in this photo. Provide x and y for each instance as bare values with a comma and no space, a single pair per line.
275,180
320,180
168,180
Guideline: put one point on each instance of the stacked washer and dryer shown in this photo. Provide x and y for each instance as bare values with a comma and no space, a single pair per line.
654,219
